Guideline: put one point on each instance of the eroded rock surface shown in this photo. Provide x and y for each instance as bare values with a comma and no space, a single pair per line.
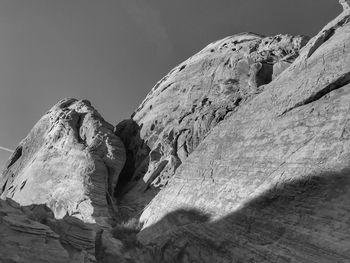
70,161
192,99
23,239
273,176
248,142
345,4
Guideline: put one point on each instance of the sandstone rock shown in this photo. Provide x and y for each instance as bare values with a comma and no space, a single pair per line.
70,161
23,239
111,249
192,99
279,67
40,237
273,176
77,237
248,142
345,4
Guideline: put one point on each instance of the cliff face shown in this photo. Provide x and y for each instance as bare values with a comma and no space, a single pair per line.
70,162
194,97
274,176
240,154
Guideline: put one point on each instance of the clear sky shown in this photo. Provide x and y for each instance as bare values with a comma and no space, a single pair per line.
112,52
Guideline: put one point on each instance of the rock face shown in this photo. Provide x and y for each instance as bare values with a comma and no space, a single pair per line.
24,239
273,176
192,99
345,4
246,146
70,161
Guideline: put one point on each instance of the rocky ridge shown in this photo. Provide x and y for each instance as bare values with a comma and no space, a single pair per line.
240,154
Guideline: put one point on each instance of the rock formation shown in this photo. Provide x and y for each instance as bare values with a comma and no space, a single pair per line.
193,98
239,154
70,161
24,239
274,176
345,4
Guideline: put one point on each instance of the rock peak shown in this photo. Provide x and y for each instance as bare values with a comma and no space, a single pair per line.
72,133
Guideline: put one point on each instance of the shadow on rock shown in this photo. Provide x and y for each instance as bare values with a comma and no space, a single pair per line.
32,234
137,162
304,220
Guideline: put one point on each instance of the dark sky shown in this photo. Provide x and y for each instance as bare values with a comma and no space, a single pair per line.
112,52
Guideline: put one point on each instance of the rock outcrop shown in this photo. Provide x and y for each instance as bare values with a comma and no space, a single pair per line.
274,176
193,98
239,154
70,161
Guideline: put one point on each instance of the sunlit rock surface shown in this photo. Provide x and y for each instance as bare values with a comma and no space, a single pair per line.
70,161
273,177
248,140
193,98
345,4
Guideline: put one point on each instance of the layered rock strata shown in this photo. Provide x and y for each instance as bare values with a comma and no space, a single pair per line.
193,98
69,161
24,239
273,178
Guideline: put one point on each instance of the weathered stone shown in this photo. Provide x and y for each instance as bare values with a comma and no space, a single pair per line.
192,99
111,249
23,239
345,4
279,67
248,142
70,161
274,176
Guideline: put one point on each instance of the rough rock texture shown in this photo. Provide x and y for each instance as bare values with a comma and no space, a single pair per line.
345,4
273,177
248,142
193,98
32,234
70,161
24,239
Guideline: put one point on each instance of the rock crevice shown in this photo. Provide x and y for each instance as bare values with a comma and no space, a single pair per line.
337,84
